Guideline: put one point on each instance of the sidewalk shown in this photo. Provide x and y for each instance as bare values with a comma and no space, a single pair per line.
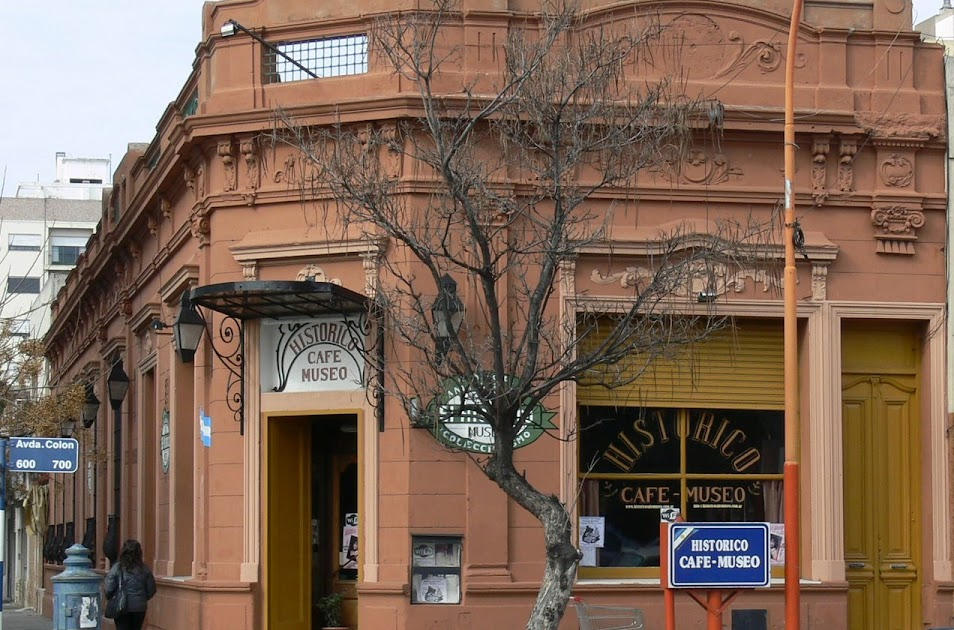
24,619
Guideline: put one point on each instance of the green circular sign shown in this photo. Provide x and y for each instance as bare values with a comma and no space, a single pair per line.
460,423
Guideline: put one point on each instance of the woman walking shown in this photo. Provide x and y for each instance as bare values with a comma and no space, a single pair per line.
137,581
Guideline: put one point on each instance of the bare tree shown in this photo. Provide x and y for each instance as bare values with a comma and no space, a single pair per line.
502,178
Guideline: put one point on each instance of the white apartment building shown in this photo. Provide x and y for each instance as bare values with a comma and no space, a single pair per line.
76,178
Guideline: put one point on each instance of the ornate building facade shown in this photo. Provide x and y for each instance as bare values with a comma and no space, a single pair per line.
250,480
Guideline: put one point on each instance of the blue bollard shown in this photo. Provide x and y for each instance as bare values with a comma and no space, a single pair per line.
77,602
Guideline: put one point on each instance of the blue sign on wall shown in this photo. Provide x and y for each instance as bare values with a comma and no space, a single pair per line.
718,555
51,455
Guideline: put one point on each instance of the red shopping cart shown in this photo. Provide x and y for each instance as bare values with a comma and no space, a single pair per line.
600,617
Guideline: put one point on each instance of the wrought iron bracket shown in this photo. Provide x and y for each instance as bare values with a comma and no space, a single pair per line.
231,354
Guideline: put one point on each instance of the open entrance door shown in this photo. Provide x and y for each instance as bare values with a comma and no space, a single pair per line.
312,519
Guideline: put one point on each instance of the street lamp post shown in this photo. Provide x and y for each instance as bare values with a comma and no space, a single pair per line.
791,472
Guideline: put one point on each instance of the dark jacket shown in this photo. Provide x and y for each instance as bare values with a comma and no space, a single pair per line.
139,584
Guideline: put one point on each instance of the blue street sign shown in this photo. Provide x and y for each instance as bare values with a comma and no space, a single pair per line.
718,555
51,455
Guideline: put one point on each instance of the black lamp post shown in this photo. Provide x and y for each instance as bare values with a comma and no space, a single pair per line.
90,407
448,314
187,329
117,383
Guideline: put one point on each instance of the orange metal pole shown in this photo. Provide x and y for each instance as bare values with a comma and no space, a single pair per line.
791,481
714,609
669,596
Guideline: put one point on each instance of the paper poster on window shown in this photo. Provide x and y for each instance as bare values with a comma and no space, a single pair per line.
424,554
446,555
437,589
589,556
777,543
592,531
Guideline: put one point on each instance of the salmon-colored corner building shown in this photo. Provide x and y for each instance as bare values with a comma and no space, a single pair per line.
261,479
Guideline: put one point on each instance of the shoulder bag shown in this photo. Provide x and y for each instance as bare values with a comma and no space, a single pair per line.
116,605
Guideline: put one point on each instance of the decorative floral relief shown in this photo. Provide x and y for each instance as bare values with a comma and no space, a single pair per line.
165,208
901,124
897,171
200,228
700,167
315,274
249,150
228,162
766,54
846,160
898,226
820,147
712,279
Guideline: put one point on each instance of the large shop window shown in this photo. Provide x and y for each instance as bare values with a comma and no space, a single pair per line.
713,464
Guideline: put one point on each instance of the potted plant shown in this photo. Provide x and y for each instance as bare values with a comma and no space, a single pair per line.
330,608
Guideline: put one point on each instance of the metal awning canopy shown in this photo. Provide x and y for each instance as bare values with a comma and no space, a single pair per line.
277,299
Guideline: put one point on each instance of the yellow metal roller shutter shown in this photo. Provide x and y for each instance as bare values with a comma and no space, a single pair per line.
736,368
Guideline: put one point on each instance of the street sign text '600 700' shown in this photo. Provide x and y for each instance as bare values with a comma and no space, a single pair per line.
51,455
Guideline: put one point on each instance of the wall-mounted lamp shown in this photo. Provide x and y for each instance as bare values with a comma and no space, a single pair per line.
448,314
67,428
187,329
90,407
117,384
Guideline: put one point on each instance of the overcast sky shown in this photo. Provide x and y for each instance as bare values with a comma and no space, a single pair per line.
89,76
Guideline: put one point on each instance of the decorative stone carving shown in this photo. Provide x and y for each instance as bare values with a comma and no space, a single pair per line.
897,171
847,150
902,125
702,168
315,274
253,175
714,278
767,55
898,225
288,173
369,263
820,147
165,208
568,277
819,283
200,180
188,174
224,151
151,224
200,228
250,270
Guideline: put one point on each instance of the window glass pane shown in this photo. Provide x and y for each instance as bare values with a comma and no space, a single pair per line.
631,513
733,441
628,440
25,242
740,501
65,254
325,57
23,284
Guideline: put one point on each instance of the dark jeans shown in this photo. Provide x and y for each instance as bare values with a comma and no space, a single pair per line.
130,621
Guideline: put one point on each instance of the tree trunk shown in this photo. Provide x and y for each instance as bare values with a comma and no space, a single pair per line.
560,573
562,555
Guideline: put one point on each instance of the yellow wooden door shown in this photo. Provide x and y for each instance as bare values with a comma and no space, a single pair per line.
288,552
882,524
